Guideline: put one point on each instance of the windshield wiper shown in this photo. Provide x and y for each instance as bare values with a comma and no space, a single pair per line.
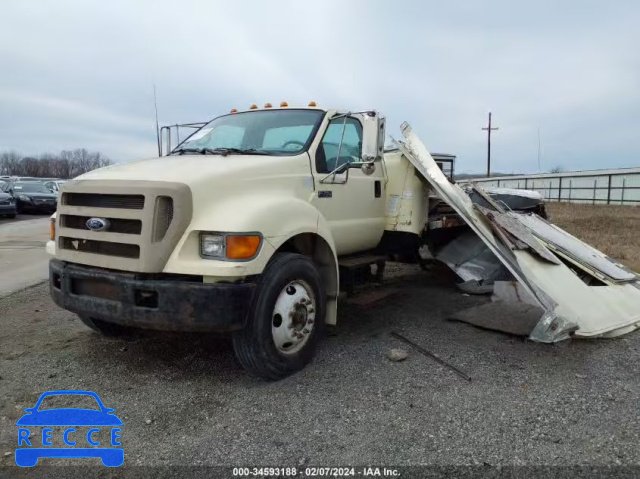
202,151
220,151
239,151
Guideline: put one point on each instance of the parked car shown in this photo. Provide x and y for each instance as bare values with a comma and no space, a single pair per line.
7,205
32,196
54,185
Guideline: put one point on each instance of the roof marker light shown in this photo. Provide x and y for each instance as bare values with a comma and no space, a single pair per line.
234,110
253,107
284,104
267,105
312,103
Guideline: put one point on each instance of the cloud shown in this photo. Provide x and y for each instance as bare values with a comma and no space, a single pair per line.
82,73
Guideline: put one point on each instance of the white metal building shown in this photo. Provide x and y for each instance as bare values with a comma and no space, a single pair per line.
614,186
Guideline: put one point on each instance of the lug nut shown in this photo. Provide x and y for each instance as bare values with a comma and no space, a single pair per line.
306,331
309,321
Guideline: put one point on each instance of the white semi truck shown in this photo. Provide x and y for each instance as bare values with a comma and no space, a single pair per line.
247,227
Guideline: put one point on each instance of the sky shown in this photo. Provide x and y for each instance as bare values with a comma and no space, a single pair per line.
81,73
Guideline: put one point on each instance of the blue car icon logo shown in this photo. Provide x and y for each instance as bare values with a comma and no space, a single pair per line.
74,420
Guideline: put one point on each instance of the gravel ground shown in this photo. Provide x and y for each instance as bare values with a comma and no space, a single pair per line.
185,401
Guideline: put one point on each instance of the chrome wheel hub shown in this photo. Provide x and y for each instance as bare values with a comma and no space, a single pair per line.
293,317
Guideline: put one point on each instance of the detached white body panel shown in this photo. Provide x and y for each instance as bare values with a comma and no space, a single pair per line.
606,307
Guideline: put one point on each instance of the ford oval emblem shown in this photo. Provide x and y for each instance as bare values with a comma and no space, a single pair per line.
97,224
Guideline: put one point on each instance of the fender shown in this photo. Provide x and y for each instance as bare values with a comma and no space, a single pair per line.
276,217
324,255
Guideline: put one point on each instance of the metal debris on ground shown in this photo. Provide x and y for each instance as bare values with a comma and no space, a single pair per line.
433,356
517,318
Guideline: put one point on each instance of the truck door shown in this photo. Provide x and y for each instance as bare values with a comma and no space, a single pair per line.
352,202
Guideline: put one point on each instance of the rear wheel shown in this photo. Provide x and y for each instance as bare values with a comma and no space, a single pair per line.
286,318
105,328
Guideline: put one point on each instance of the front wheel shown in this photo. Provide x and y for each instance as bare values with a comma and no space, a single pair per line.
286,318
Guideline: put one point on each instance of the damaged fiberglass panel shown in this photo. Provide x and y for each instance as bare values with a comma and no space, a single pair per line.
554,270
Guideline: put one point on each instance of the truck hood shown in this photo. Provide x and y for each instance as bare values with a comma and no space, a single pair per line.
187,169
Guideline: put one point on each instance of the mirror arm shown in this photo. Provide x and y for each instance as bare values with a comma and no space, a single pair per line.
339,169
347,166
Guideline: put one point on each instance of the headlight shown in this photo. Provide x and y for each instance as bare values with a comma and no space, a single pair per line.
229,246
212,245
24,198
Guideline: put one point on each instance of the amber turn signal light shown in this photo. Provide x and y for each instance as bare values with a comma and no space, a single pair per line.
52,229
242,246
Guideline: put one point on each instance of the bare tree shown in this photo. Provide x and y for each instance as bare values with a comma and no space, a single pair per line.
66,164
9,162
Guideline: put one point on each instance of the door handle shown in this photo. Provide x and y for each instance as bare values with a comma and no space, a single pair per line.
377,188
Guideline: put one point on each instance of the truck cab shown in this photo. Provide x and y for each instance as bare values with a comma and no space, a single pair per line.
238,229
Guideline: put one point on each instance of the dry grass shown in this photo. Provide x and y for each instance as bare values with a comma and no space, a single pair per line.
614,230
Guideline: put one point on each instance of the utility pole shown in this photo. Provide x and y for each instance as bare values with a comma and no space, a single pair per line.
488,129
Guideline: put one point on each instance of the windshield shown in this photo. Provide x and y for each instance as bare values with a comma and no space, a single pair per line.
274,132
30,187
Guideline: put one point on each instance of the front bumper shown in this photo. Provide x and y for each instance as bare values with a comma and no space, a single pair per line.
143,301
8,209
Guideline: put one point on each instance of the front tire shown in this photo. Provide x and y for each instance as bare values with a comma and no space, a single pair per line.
286,318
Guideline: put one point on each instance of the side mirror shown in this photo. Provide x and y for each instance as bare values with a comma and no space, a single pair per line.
373,130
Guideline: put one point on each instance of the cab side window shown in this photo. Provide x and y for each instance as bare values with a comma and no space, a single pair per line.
327,158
